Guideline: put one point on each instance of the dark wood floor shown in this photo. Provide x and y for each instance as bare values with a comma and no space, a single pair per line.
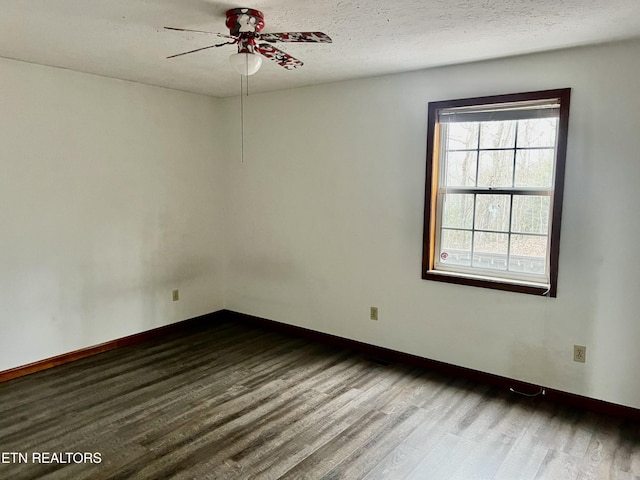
238,402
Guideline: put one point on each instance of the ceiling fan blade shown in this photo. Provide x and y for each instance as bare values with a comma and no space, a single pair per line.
281,58
317,37
221,35
198,49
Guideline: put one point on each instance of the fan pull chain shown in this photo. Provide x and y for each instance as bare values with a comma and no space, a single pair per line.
241,121
242,93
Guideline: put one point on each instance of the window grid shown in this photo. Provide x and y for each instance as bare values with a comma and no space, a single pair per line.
511,191
514,232
498,149
510,232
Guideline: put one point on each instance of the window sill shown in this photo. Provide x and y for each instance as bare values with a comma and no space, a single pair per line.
489,282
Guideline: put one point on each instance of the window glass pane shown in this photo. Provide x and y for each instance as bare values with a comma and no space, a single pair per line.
530,214
457,211
537,132
455,247
528,254
500,134
495,168
462,135
492,212
460,169
490,250
534,168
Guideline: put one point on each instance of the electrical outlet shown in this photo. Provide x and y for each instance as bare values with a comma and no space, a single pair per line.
579,353
175,294
374,313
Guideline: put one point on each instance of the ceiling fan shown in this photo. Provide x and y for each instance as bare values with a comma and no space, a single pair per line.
245,25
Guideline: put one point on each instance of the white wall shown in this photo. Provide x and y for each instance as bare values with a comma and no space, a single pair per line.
110,197
326,220
114,193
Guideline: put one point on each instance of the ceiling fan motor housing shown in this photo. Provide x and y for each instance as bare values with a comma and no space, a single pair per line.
244,20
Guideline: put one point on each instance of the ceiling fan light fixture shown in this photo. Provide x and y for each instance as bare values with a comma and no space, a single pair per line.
245,63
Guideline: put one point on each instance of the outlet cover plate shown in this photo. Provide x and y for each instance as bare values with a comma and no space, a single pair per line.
579,353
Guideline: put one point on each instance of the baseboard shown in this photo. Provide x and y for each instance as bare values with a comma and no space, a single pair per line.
136,338
558,396
552,395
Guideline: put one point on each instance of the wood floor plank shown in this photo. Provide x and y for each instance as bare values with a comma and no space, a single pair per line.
444,459
558,466
516,416
478,419
364,459
321,461
282,445
446,410
316,434
399,463
526,455
485,460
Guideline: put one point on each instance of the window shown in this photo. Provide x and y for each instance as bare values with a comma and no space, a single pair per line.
493,202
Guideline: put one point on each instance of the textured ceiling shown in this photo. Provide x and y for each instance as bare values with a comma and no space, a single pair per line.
125,38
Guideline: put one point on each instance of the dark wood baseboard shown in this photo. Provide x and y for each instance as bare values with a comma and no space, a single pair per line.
191,323
373,351
386,354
